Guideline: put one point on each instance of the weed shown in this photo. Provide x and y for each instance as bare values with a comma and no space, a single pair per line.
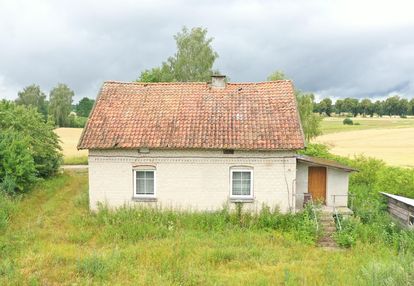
93,266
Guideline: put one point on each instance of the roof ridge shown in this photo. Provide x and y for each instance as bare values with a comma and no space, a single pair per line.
191,82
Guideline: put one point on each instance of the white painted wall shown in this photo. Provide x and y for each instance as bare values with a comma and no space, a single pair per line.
301,184
191,179
336,184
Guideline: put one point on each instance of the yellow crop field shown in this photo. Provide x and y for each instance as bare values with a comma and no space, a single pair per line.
393,145
69,140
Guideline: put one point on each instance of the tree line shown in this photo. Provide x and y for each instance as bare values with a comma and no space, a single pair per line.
391,106
59,108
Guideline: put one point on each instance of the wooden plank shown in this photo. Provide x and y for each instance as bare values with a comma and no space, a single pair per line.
399,209
398,213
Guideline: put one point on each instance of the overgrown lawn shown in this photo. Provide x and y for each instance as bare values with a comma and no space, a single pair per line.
51,238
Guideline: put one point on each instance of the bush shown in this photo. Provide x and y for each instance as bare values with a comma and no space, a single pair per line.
348,121
17,167
37,135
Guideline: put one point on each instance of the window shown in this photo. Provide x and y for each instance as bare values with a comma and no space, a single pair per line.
411,220
144,183
241,183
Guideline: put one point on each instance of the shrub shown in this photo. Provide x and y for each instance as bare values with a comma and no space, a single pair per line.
37,136
348,121
17,167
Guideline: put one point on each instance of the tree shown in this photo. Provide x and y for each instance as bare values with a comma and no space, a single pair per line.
325,106
84,107
351,105
411,110
61,104
392,105
379,108
33,96
339,106
310,121
366,107
277,75
193,60
403,107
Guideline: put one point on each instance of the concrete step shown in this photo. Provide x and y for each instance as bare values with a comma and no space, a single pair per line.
328,245
327,224
326,219
326,239
330,229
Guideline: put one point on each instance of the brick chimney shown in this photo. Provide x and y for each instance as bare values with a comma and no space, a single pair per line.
218,81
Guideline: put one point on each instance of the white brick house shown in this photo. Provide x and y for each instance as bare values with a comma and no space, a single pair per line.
198,146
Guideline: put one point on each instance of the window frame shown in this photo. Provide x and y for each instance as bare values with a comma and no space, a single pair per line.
251,196
135,184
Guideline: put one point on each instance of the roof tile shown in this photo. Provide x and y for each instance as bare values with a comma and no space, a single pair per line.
247,116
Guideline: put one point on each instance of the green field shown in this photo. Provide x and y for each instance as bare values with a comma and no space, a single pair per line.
54,240
334,124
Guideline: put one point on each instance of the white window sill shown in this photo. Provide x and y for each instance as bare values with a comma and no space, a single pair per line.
241,200
144,199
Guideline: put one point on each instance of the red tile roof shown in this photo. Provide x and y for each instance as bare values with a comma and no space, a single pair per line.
244,116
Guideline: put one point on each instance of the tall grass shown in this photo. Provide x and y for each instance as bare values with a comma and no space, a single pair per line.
137,223
53,239
7,207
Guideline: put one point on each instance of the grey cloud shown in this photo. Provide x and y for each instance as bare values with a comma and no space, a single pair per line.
326,48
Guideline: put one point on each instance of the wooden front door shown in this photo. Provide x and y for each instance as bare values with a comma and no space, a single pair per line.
317,183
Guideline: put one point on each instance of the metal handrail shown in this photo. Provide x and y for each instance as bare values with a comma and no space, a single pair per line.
337,217
314,214
348,196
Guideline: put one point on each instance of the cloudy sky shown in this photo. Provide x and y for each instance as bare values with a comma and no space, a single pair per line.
332,48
